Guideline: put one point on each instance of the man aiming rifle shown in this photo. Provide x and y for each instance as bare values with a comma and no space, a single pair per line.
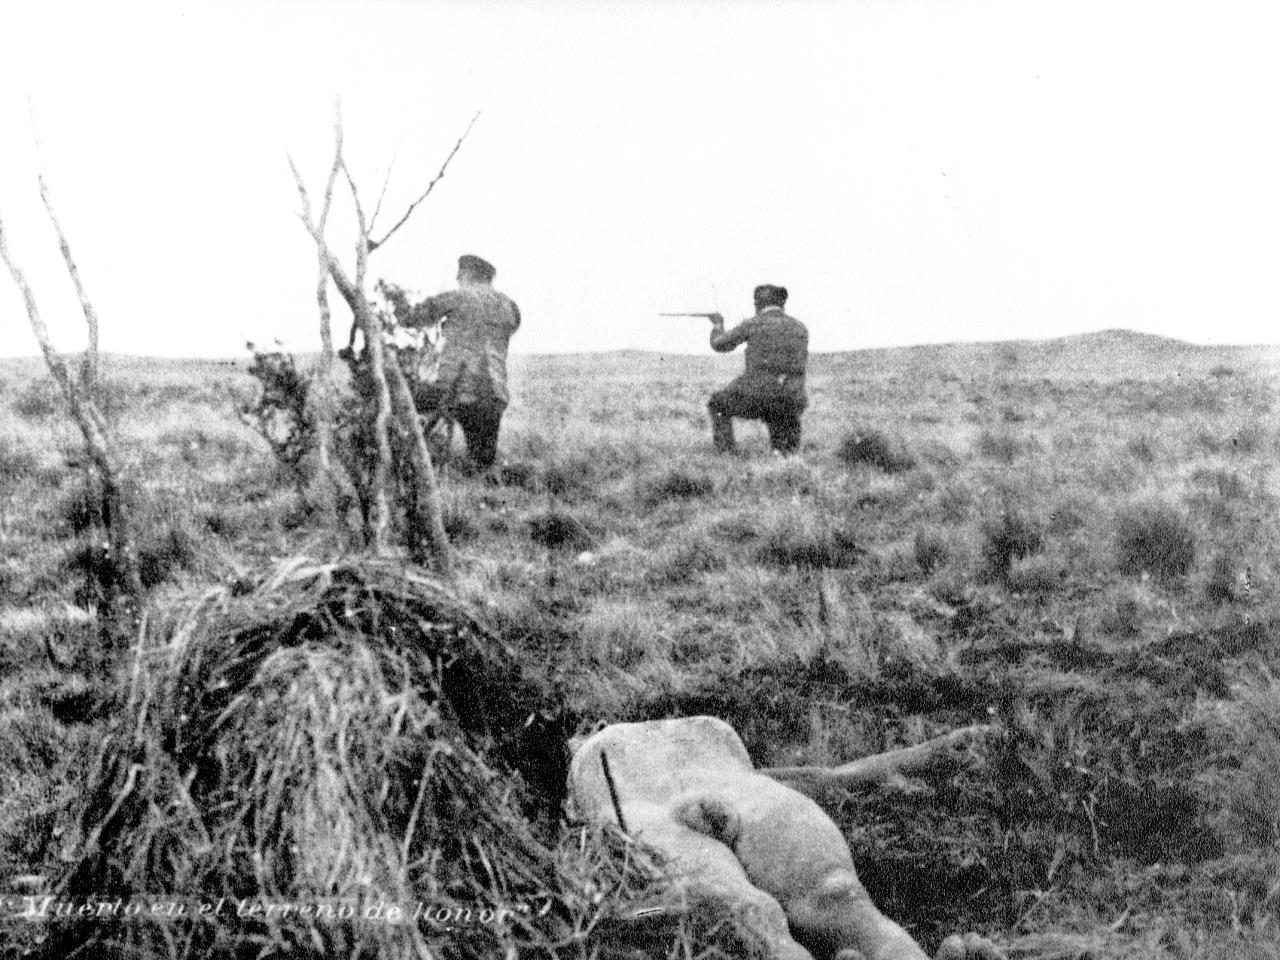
771,387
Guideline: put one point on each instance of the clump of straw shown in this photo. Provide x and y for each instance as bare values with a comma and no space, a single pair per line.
349,734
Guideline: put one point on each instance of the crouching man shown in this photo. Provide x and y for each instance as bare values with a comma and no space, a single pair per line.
471,379
771,387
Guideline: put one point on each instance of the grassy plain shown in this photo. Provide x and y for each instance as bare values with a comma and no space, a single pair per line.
1077,539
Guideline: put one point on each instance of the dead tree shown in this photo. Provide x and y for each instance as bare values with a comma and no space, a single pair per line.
393,402
124,585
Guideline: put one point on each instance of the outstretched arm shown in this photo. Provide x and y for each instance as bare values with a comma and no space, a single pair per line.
723,341
907,769
429,311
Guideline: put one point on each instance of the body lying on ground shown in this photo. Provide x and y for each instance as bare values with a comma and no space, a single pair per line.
766,851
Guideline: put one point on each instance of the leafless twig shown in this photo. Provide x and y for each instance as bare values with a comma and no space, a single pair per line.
93,430
89,370
375,244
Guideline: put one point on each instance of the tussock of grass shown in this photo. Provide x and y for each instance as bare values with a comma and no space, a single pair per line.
1221,580
1123,618
956,501
805,542
1035,576
1143,447
1071,513
558,530
163,553
359,717
1227,484
569,477
518,474
1156,539
1252,794
691,558
620,633
931,550
876,449
460,524
37,400
676,484
16,464
1009,536
1004,445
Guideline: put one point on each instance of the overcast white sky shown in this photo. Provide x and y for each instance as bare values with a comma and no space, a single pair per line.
912,171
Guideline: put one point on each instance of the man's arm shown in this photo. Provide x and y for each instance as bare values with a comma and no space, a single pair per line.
429,311
723,341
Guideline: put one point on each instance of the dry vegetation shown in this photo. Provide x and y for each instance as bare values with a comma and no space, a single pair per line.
1075,539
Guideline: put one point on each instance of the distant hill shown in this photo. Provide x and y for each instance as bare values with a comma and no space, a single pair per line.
1102,354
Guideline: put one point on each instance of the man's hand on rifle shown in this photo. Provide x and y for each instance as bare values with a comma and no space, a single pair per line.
717,319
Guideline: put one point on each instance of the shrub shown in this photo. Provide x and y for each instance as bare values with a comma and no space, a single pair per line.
1156,539
1008,537
876,449
281,413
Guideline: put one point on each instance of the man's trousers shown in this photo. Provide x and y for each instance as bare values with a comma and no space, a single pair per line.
779,408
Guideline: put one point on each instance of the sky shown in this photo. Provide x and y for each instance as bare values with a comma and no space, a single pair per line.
912,171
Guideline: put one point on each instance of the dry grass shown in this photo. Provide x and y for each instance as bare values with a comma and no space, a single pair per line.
336,733
722,585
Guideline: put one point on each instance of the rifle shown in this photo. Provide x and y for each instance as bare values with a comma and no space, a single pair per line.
709,316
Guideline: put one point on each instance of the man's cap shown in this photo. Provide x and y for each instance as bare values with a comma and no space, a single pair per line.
477,266
768,295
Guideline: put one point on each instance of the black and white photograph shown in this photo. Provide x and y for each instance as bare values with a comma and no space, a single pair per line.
639,480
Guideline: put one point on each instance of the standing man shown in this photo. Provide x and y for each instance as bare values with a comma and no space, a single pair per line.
471,380
772,386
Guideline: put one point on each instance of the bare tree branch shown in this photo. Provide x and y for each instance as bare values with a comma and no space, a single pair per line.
354,296
362,244
89,420
369,324
386,182
89,370
428,540
324,374
375,244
